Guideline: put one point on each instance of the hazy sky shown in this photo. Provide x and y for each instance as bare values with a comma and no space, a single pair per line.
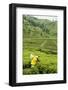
52,18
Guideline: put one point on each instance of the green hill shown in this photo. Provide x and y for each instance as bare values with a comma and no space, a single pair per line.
39,28
40,34
39,38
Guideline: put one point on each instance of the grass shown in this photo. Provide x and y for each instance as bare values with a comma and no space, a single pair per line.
47,64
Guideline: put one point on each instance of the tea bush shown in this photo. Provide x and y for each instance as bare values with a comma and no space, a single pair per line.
40,69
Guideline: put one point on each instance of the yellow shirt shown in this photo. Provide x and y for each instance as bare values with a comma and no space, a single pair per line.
34,60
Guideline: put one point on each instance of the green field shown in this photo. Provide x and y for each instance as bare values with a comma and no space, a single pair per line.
41,41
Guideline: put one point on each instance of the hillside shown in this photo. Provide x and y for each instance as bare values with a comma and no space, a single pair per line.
39,38
40,34
39,28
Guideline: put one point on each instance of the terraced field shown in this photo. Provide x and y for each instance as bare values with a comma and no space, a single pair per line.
41,43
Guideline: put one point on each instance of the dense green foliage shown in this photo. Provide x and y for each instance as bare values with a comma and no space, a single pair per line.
39,38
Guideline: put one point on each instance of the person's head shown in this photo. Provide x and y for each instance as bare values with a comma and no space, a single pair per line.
31,56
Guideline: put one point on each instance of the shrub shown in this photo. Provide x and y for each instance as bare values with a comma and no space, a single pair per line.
27,71
26,65
34,70
39,69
